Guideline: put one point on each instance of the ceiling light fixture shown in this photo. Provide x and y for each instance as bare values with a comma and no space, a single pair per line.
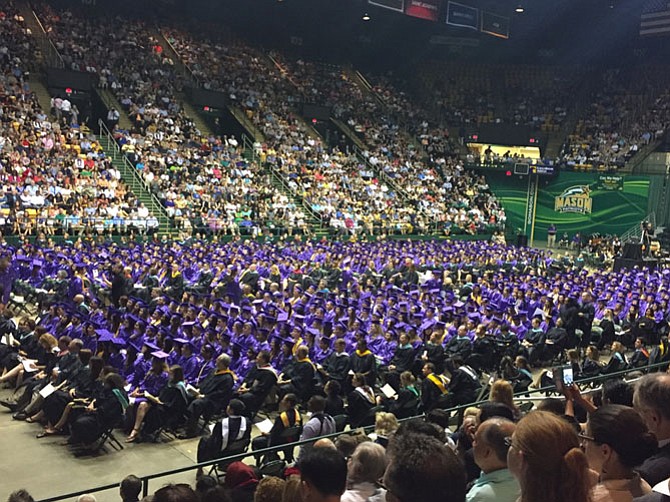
519,9
366,17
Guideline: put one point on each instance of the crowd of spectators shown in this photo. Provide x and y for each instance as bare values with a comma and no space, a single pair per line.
55,175
629,110
204,183
336,184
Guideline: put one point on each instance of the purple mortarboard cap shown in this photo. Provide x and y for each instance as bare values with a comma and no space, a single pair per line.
104,335
474,316
299,318
183,341
440,324
159,354
459,304
119,342
151,345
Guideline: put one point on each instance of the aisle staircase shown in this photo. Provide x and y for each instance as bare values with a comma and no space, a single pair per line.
189,109
132,179
41,92
318,228
110,101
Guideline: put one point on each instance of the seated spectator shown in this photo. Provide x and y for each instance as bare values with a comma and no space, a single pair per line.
130,489
652,401
323,473
212,396
269,489
241,480
319,424
617,440
228,432
422,468
545,457
496,482
365,468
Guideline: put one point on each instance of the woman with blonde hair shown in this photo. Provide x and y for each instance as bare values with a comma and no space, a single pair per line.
503,392
385,424
544,455
618,360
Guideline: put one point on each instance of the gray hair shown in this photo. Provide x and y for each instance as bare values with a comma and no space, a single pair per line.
86,497
653,391
368,463
223,361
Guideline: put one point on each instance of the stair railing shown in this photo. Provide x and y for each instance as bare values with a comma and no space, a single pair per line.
137,184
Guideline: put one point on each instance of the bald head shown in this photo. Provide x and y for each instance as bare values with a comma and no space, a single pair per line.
324,443
490,450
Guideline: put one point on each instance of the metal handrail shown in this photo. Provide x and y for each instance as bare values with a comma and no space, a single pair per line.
278,175
55,58
246,122
138,182
519,396
195,80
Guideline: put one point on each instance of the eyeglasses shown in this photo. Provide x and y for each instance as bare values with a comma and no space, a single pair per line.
508,441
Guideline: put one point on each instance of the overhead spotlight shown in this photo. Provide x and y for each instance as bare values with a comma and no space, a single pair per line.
519,9
366,17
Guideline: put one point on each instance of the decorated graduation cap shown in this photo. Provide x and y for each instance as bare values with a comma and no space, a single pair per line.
159,354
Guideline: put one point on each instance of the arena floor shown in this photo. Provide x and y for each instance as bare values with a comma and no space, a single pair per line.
47,468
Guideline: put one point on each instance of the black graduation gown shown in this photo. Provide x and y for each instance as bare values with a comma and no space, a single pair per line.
403,359
358,407
366,365
337,366
89,426
463,388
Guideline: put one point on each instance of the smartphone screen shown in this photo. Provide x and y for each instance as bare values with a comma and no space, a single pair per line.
568,378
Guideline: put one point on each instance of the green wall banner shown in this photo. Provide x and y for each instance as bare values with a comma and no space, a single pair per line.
610,182
574,202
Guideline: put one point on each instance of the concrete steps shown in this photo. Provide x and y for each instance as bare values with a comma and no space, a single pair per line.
41,92
110,102
135,183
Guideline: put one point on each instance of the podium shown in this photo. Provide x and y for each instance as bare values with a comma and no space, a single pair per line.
632,251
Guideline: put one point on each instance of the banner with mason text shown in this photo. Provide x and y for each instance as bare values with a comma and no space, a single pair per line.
574,202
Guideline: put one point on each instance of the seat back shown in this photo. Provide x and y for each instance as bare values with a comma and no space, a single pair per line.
340,422
273,468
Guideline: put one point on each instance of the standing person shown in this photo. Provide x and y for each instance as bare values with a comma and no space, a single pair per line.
551,236
496,482
586,314
545,457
